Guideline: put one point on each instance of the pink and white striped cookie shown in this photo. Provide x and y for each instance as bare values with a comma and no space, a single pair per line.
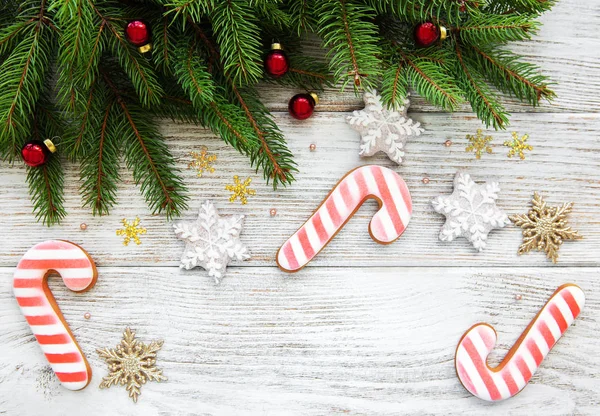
43,314
360,184
524,358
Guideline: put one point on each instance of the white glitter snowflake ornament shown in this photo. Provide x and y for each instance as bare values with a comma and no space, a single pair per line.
470,211
212,241
383,130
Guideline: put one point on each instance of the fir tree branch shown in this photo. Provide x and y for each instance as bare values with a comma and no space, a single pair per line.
510,76
482,100
486,29
99,168
518,6
273,156
76,44
46,182
23,78
149,158
432,81
394,85
301,16
417,11
188,9
141,74
347,29
237,35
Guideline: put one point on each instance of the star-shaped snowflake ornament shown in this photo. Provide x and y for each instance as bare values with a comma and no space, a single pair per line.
383,130
470,211
131,363
211,241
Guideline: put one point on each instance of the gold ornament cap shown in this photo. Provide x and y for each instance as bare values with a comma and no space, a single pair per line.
276,46
443,33
145,48
315,97
50,145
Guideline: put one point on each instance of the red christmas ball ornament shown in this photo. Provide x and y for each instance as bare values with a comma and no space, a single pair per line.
301,106
427,33
277,63
36,153
138,34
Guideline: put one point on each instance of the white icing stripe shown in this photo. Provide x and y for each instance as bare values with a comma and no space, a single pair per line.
340,205
478,384
37,310
540,341
70,273
527,357
28,292
516,375
283,260
388,226
577,295
564,309
68,367
54,329
326,220
298,250
64,254
74,385
313,237
394,185
482,350
371,183
59,348
547,317
353,191
501,384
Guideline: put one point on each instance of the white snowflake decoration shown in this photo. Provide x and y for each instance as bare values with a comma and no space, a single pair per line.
212,241
383,130
470,211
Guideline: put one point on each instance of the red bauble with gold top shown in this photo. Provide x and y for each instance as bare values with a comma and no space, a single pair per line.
302,106
36,153
277,63
138,34
428,33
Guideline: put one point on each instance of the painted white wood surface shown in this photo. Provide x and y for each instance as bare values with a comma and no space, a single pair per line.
365,329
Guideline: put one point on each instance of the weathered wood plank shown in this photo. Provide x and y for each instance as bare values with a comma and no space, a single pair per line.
332,340
563,166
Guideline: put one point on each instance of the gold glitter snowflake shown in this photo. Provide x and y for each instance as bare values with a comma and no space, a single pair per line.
517,145
131,231
202,161
545,228
240,190
131,363
479,144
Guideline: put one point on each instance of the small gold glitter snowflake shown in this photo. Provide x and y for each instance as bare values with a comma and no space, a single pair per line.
479,144
202,161
131,363
131,231
240,190
517,145
545,228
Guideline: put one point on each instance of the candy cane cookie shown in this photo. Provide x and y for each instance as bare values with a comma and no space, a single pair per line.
358,185
37,303
524,358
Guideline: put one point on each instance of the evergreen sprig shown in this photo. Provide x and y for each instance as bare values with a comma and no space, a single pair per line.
69,74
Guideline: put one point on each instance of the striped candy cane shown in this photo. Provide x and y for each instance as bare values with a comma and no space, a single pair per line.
360,184
524,358
41,311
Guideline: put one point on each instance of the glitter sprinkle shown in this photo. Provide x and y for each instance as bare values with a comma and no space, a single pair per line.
131,231
448,143
83,226
202,161
87,315
312,147
479,144
240,190
273,212
518,146
131,363
545,228
425,181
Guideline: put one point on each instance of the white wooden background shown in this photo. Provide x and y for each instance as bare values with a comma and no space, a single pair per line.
365,329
